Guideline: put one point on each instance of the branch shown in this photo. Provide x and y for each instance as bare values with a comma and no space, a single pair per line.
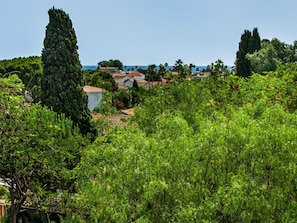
11,72
18,185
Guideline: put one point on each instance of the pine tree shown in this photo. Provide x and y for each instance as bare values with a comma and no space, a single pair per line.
62,72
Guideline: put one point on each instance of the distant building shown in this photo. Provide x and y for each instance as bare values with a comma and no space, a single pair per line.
125,80
136,75
200,75
111,70
142,83
94,96
120,78
162,82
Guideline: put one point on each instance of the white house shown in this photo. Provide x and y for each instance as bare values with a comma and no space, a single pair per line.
136,76
125,80
94,96
120,78
129,83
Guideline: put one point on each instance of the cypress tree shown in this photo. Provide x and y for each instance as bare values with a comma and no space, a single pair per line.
243,66
62,72
249,43
255,42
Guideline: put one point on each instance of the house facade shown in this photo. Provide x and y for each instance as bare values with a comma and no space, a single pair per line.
95,95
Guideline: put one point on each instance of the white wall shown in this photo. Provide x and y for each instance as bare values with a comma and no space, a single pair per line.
94,99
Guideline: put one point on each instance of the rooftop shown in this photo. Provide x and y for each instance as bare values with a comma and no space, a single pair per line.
91,89
128,111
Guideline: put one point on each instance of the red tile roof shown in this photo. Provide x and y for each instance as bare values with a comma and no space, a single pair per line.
134,74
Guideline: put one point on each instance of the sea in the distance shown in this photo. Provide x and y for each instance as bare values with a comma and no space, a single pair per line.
136,67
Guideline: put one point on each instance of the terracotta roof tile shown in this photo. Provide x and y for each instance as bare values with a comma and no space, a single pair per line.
128,111
134,74
91,89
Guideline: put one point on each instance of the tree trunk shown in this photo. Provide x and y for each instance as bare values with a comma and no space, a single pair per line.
13,218
15,208
46,218
13,214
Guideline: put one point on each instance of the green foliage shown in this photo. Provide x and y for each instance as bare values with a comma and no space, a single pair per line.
183,70
162,70
254,42
249,43
286,75
121,98
263,60
111,63
62,74
101,123
152,73
135,94
4,193
26,66
242,63
286,53
219,70
217,150
38,149
106,105
29,70
100,79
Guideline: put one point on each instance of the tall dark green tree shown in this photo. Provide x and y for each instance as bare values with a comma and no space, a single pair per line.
135,93
62,74
254,42
243,66
250,42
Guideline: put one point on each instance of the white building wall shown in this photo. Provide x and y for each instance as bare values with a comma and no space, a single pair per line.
94,99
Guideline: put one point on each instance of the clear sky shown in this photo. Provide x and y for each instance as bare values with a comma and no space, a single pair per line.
143,32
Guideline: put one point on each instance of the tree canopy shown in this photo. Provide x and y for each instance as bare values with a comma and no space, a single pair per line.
111,63
263,60
217,150
28,69
38,149
100,79
286,53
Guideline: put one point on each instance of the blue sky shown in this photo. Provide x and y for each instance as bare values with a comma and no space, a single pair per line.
143,32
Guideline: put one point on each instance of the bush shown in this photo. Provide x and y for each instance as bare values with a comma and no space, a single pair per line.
4,193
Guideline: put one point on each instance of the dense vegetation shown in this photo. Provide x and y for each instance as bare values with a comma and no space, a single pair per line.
29,70
218,150
38,149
